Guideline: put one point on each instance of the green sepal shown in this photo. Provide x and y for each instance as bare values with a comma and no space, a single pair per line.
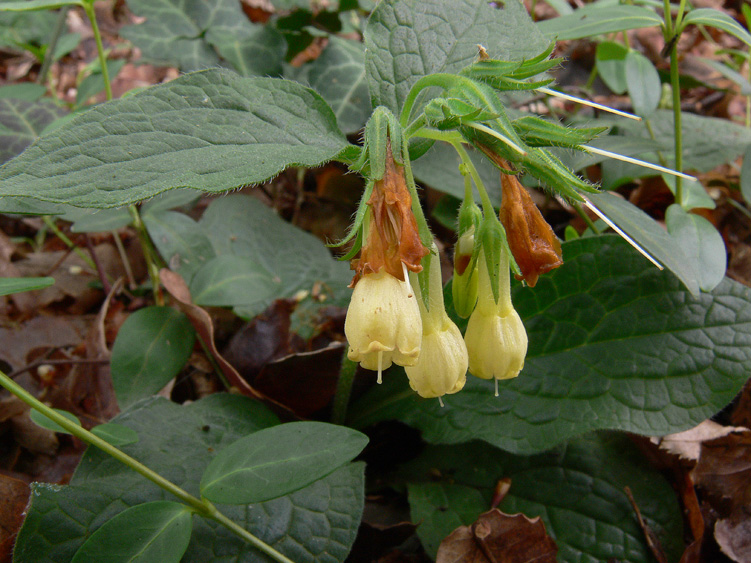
464,291
492,241
539,132
356,246
356,229
469,216
449,113
423,279
381,128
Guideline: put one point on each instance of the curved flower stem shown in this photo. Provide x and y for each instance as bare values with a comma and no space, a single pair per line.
201,506
440,80
487,206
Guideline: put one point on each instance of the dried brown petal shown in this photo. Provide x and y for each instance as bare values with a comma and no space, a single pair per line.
535,247
393,238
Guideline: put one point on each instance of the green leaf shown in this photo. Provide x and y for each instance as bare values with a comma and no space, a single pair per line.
94,83
613,343
41,420
643,83
279,460
746,175
701,244
339,76
29,91
97,220
22,121
611,65
154,531
33,5
242,226
719,20
314,525
18,285
731,74
651,236
115,434
151,347
399,32
577,489
211,130
199,35
694,195
596,20
233,281
184,246
440,508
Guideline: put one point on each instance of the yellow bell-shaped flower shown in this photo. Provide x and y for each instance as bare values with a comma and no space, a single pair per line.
441,367
383,323
496,338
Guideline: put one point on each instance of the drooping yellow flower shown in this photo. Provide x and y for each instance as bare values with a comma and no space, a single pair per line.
383,323
495,337
441,367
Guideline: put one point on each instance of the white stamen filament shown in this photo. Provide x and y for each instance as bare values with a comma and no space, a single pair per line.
618,230
380,366
405,273
496,385
643,163
497,135
440,401
550,92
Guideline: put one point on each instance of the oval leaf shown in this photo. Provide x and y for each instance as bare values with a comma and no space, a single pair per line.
211,130
613,343
40,420
279,460
151,348
229,281
155,531
611,65
701,243
643,83
115,434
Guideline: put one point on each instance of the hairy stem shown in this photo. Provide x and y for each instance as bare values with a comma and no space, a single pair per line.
89,8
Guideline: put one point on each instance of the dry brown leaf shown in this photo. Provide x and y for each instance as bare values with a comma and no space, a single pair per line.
687,444
724,467
497,537
14,495
733,535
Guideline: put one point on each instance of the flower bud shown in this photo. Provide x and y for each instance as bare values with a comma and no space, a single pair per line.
441,367
383,323
495,337
464,283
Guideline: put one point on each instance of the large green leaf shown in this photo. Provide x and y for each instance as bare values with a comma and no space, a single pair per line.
408,39
242,226
22,121
613,343
577,489
195,34
233,281
718,19
315,524
154,531
211,130
279,460
596,20
151,347
339,76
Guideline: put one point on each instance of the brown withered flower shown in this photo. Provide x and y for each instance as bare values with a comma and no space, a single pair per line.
535,247
392,237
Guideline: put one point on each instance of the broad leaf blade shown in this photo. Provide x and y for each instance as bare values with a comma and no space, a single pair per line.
151,347
154,531
279,460
326,514
596,20
577,489
613,343
180,240
643,83
209,130
408,39
233,281
22,121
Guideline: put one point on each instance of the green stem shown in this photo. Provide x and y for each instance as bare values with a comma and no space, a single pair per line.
90,13
441,80
487,206
149,253
203,507
343,390
69,243
677,129
587,219
49,54
650,130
